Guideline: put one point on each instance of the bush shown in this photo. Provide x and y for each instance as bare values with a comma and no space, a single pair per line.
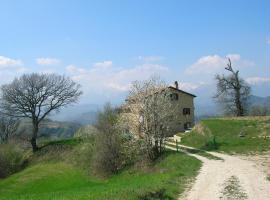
11,160
115,148
211,144
108,147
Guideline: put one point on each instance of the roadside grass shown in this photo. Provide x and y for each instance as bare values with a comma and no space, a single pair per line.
231,135
165,179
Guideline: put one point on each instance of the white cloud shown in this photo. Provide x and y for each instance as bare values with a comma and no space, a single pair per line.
119,87
47,61
6,62
257,80
188,86
105,64
212,64
9,68
107,77
75,70
9,65
150,58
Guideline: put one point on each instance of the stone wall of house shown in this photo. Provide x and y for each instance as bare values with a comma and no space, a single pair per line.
181,121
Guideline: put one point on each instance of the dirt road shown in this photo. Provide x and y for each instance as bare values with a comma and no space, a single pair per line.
231,178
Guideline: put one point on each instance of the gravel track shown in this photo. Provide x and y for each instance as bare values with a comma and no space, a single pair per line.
214,176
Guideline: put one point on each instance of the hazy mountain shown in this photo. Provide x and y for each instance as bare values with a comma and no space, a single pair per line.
81,113
262,101
87,113
50,129
206,109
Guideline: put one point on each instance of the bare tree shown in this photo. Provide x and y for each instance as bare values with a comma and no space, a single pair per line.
232,92
35,96
150,113
8,126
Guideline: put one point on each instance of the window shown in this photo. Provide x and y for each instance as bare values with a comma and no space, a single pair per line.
174,96
186,111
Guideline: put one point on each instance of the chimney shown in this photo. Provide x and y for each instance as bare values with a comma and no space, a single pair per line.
176,84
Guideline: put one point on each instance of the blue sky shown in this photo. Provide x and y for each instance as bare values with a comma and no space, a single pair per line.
104,45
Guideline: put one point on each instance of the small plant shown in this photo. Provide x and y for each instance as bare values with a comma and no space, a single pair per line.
211,144
177,146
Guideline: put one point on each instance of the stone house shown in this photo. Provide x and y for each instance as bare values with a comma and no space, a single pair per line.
183,108
183,112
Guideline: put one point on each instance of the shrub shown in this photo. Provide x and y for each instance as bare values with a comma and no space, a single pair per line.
11,160
109,147
211,144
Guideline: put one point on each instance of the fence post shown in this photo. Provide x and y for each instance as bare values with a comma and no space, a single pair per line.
177,148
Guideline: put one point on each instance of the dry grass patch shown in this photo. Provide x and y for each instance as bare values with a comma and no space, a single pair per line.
202,129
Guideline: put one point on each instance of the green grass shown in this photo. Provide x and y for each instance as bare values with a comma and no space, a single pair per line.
71,141
268,177
224,135
60,180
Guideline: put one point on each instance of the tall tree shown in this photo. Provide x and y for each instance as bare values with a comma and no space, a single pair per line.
150,113
35,96
232,92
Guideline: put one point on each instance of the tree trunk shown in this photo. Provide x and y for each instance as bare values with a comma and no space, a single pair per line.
239,106
34,136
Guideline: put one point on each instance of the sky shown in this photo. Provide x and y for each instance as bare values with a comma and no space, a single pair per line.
105,45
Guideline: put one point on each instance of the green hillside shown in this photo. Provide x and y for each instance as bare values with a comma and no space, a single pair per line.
55,172
231,135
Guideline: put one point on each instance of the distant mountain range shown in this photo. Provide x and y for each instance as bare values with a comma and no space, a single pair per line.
262,101
87,113
83,114
212,109
50,129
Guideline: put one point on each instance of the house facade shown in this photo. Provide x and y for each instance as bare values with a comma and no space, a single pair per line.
181,112
183,105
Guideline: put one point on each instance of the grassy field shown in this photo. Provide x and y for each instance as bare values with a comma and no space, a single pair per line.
231,135
48,178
